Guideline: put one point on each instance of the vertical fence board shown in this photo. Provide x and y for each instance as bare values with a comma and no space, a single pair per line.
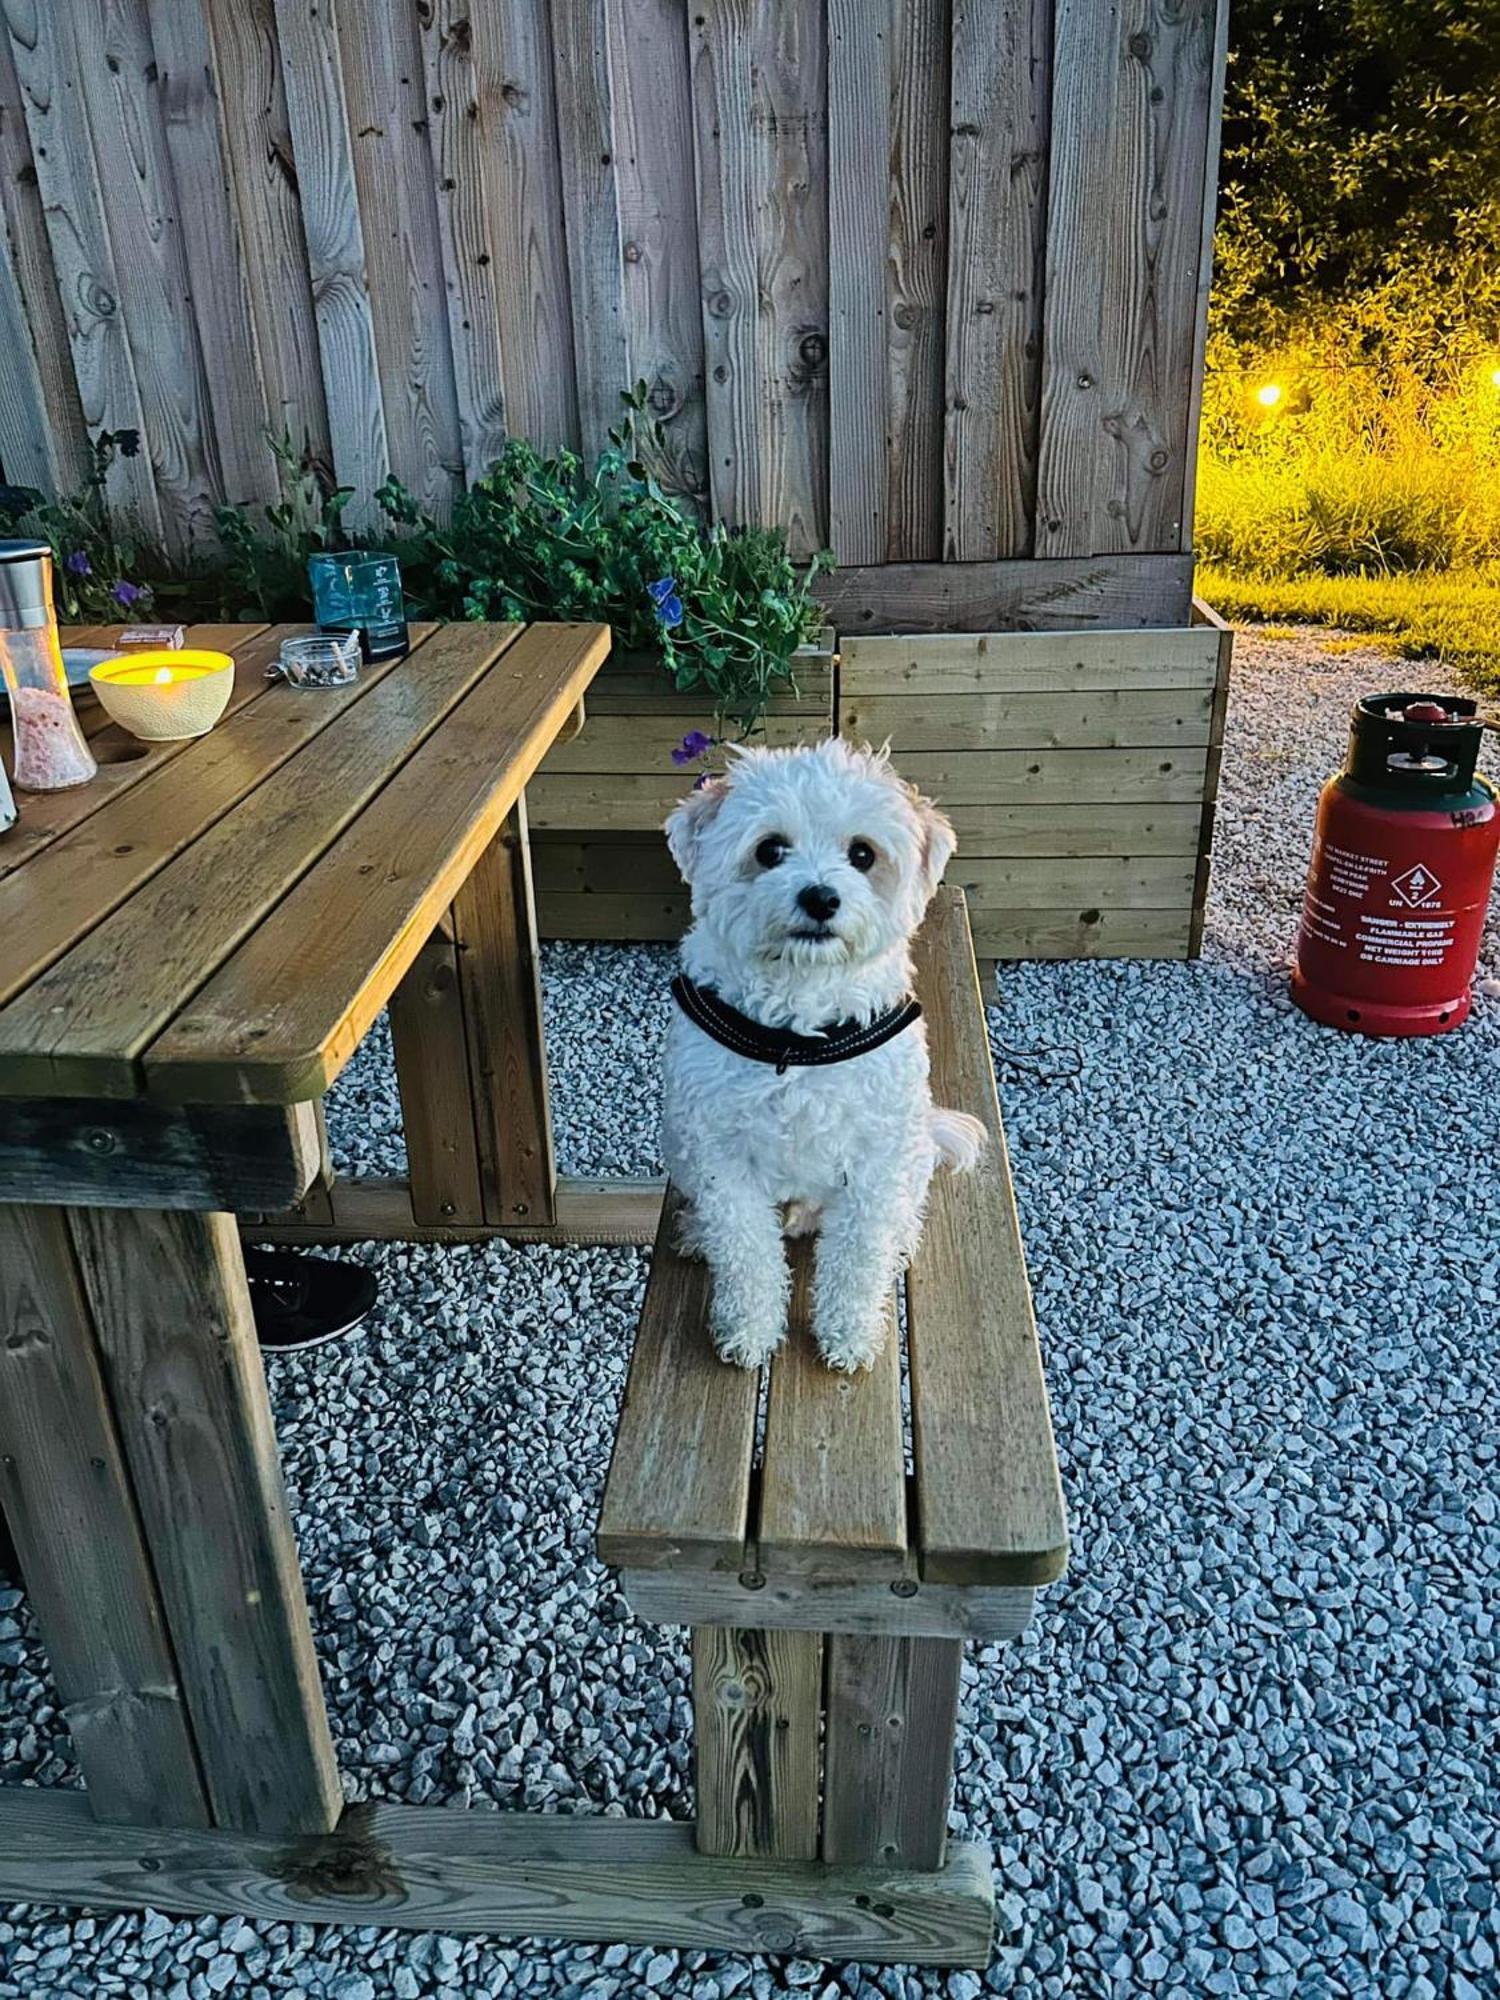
916,306
213,255
997,198
860,60
653,149
140,210
386,98
257,143
308,33
1130,129
42,439
518,120
585,134
47,68
759,85
457,125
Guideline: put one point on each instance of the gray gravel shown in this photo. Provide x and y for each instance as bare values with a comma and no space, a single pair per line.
1243,1749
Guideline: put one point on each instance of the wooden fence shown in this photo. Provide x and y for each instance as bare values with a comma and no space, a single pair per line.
922,280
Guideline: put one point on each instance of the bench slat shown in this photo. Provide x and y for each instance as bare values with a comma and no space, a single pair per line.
833,1494
989,1501
679,1486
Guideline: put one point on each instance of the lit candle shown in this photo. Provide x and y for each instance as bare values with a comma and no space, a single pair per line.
162,696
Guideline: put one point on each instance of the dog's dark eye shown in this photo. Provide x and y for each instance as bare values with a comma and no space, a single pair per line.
861,856
772,851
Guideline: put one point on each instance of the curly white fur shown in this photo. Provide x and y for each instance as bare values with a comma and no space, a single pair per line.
847,1150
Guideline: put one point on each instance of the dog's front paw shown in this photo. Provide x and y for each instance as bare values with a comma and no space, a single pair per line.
745,1338
849,1342
745,1331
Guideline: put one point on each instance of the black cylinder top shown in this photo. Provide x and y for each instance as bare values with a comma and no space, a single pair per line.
1427,744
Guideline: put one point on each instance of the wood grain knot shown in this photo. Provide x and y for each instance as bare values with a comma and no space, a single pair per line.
350,1861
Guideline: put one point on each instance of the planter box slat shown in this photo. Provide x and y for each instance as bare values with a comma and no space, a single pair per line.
1107,718
1001,830
1034,662
965,777
1095,881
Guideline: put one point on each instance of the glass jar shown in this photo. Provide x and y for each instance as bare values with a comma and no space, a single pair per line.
50,751
359,590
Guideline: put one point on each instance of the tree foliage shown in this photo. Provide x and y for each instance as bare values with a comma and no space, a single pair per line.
1362,167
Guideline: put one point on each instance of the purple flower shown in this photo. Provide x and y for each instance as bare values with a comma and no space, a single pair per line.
126,594
663,594
78,564
692,747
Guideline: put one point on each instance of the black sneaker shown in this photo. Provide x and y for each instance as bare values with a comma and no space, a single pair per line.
302,1301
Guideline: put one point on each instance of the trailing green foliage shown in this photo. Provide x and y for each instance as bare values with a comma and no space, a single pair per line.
99,566
265,554
544,536
540,536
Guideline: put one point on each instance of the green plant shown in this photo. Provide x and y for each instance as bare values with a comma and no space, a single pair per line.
265,553
543,536
100,568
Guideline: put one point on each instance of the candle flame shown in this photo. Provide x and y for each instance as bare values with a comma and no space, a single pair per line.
163,677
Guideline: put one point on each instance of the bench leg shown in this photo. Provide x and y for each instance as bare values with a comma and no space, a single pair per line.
888,1752
756,1702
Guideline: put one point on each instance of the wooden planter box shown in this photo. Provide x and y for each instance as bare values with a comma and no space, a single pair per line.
1079,768
599,862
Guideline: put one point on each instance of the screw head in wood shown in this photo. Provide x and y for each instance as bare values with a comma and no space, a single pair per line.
904,1586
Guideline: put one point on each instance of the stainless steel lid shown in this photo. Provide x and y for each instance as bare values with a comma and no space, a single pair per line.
25,585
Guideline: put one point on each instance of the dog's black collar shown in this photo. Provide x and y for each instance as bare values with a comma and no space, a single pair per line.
839,1042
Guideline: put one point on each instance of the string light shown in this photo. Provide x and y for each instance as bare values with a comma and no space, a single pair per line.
1269,394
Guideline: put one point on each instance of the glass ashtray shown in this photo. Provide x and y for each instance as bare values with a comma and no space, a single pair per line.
318,660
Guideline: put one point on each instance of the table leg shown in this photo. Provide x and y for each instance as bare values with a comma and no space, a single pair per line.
68,1500
172,1317
494,917
437,1099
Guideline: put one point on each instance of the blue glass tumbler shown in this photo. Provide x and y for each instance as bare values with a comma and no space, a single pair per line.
359,590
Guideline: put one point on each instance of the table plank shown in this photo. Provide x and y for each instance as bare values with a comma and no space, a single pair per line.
81,1028
352,927
123,761
87,872
989,1503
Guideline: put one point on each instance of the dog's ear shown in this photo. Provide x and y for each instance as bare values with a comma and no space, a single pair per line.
939,842
691,820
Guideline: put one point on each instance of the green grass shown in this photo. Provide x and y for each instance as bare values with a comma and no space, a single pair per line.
1451,615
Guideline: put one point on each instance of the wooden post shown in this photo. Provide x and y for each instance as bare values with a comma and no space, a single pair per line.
756,1701
72,1514
494,918
892,1711
172,1316
437,1098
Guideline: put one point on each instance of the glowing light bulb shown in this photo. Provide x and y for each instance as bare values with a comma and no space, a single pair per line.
1495,378
163,677
1269,394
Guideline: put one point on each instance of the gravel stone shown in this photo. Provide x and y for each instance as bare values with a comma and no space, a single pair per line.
1245,1747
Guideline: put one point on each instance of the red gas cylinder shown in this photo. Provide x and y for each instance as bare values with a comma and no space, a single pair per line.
1402,862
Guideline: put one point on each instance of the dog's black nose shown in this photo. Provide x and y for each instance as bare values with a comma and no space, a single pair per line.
819,901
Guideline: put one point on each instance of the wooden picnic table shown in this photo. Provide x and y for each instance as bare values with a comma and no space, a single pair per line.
195,943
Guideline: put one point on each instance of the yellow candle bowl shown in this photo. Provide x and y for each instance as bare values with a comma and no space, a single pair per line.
163,696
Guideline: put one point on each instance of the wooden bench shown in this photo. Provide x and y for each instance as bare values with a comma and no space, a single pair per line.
830,1575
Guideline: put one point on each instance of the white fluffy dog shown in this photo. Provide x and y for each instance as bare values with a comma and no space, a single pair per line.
797,1095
